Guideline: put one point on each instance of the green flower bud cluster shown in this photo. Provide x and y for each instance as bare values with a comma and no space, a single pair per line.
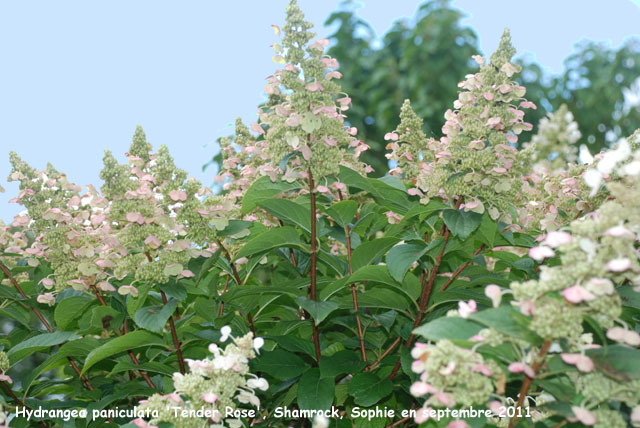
555,319
305,122
608,418
4,362
476,158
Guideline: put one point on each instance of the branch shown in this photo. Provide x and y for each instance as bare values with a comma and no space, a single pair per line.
134,360
43,320
226,285
460,269
17,400
174,336
172,325
314,262
230,259
426,289
354,295
526,383
383,356
238,281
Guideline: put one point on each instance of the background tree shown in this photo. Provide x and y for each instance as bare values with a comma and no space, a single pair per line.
424,61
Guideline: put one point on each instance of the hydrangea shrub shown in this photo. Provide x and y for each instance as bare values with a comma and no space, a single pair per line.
484,271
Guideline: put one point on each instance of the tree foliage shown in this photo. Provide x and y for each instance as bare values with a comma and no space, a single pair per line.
422,59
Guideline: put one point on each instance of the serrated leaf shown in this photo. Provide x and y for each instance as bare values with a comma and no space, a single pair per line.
368,389
149,366
262,189
401,257
285,236
314,391
289,212
318,310
133,340
343,212
448,328
236,229
76,348
280,364
38,343
69,310
342,362
461,223
487,230
369,251
154,318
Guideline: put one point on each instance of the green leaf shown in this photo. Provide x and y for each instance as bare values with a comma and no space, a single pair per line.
410,287
617,361
154,318
487,230
275,238
296,344
289,212
135,339
368,389
318,310
401,257
314,391
629,297
280,364
99,318
386,195
342,362
77,348
262,189
38,343
370,251
135,303
461,223
69,309
448,328
236,229
149,366
508,321
343,212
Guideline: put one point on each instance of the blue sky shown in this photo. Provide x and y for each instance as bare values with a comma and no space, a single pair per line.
78,76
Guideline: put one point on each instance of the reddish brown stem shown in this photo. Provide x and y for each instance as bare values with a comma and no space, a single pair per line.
134,360
172,326
44,322
18,401
460,269
226,285
526,383
383,356
427,287
293,257
230,260
354,295
238,281
314,261
174,336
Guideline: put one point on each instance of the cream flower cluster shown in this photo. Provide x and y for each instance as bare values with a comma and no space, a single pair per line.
555,142
213,384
